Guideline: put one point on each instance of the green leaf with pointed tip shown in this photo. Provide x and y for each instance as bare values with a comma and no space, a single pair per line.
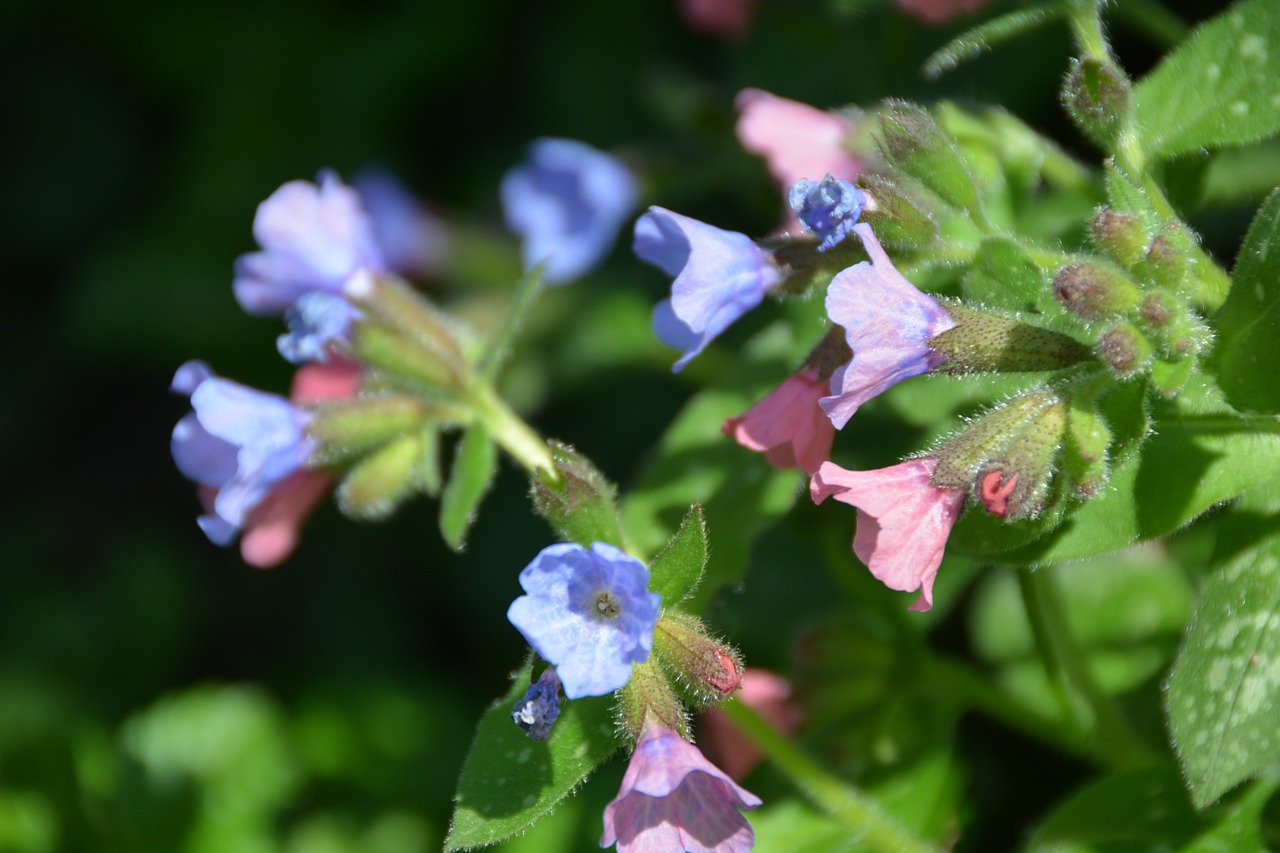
1216,89
527,291
509,782
972,43
1247,351
1127,197
474,464
678,568
1223,702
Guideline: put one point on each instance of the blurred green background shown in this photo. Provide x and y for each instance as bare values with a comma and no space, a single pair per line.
156,693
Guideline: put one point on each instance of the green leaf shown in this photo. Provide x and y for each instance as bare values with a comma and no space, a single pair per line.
527,291
1217,88
1201,454
1247,352
582,507
509,782
1223,702
971,43
1003,277
474,464
678,568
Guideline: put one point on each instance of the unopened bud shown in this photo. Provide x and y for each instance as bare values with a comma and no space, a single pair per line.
981,341
1096,95
900,221
1093,291
382,480
706,669
1016,484
1124,349
582,506
347,428
539,708
972,450
648,695
1085,452
916,146
1157,309
1168,260
1120,236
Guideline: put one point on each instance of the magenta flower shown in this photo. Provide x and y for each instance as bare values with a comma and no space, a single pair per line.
937,12
726,19
887,324
903,520
788,426
673,799
719,276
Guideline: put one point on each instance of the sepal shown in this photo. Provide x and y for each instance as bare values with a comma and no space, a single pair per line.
648,695
981,341
706,670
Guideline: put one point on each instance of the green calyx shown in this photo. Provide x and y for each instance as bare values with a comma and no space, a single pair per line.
982,341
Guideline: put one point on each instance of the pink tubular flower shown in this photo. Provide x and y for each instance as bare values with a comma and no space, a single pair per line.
766,692
272,530
797,141
673,799
887,324
788,426
937,12
903,520
726,19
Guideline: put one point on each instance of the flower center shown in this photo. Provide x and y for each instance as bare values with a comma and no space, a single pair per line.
607,604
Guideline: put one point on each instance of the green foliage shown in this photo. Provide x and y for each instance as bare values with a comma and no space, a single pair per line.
582,507
974,42
509,782
679,566
1246,353
474,464
1217,89
377,484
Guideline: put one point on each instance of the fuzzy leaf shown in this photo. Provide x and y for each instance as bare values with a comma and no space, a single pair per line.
678,568
1247,352
509,782
1216,89
474,464
972,43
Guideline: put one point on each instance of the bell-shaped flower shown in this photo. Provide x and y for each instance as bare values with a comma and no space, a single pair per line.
314,237
238,441
414,241
788,426
589,613
887,323
673,799
719,276
903,520
567,202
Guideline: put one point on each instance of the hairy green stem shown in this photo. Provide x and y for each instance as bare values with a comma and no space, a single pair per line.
511,432
867,822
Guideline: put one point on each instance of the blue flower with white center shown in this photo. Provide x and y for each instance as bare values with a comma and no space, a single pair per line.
589,613
538,710
829,208
567,202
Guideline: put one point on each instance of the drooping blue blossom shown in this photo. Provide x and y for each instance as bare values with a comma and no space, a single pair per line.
237,441
588,613
317,321
414,242
314,237
829,208
719,276
567,202
538,709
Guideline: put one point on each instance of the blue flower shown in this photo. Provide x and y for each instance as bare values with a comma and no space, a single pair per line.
567,202
239,442
317,321
538,710
829,208
589,613
313,238
719,276
414,241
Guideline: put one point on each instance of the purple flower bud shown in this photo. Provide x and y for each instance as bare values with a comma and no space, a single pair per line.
238,441
829,208
589,613
567,202
719,276
538,710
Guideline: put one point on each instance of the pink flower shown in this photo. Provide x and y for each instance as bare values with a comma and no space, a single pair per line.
771,696
273,528
673,799
903,520
796,140
887,323
788,426
940,11
726,19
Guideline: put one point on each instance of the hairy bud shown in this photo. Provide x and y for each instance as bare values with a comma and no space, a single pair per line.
1120,236
1097,96
1124,349
915,145
648,694
1093,291
983,341
706,669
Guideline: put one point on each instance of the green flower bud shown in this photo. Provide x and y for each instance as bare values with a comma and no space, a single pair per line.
985,440
582,506
381,481
914,144
348,428
406,336
648,694
1085,452
1124,349
981,341
1168,260
1119,236
900,221
1016,483
1094,292
706,669
1097,96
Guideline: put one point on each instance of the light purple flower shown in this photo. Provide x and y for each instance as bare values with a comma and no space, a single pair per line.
239,442
413,240
719,276
829,208
673,799
539,708
317,322
567,202
313,238
587,612
887,325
